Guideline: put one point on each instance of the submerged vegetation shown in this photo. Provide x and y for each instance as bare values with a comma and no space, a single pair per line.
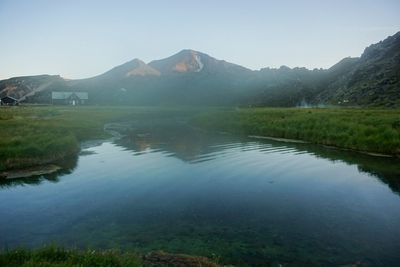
375,131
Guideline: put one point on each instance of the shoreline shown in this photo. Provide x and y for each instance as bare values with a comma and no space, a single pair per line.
29,172
286,140
37,137
51,167
112,129
371,132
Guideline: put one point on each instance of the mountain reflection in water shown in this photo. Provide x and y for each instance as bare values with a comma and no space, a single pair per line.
194,145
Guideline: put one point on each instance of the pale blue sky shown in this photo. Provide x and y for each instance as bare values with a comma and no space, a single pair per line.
79,39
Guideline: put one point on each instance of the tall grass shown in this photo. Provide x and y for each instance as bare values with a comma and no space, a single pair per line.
358,129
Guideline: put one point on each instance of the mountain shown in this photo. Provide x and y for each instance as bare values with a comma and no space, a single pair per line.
182,62
193,78
134,67
26,86
376,76
370,80
188,77
187,61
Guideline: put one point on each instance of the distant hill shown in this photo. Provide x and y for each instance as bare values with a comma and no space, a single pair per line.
23,87
194,78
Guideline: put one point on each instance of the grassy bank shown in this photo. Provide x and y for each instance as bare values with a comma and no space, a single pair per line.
375,131
38,135
31,136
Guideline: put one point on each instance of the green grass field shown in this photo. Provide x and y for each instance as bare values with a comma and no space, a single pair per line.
32,136
367,130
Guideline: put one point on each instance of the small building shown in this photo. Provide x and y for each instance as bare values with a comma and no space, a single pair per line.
9,101
69,98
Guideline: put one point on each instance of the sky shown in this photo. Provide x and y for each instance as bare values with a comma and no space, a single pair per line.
80,39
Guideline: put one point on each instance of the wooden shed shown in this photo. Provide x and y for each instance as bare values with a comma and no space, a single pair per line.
9,101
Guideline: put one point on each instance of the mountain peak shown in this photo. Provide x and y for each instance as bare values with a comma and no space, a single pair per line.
134,67
192,61
387,47
136,61
188,52
186,60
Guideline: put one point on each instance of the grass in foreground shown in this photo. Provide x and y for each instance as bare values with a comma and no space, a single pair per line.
357,129
60,257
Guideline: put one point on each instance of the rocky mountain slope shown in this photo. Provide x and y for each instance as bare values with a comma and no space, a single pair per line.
194,78
22,87
375,78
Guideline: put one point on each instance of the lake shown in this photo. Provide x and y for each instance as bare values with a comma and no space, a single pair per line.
243,201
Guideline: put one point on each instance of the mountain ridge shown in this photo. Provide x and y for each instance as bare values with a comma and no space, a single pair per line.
132,68
193,77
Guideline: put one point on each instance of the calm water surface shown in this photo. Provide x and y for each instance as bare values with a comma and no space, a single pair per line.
242,201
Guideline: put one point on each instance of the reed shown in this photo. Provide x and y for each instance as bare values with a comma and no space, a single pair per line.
369,130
